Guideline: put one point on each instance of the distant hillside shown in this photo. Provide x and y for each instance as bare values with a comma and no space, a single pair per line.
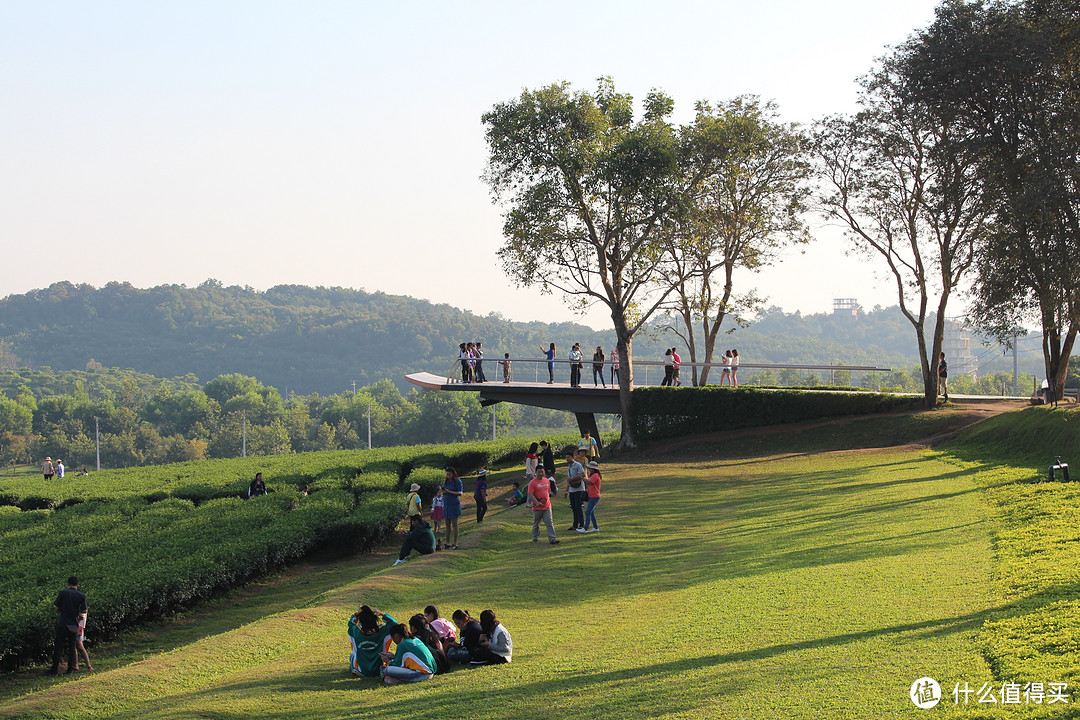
321,339
301,338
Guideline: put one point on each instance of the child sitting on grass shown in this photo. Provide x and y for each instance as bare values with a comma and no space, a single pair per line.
518,497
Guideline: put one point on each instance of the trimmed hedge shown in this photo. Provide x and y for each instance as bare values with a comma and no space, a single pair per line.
149,541
662,412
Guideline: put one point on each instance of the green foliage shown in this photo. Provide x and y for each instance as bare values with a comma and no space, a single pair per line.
673,412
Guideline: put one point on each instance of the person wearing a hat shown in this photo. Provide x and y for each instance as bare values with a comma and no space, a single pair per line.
413,506
419,538
47,468
592,485
480,495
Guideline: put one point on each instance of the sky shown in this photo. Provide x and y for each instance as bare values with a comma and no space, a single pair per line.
340,143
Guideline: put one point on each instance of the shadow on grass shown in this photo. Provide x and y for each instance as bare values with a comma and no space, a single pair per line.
556,695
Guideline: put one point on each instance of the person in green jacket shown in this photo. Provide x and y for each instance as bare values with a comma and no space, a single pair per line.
411,663
369,640
419,538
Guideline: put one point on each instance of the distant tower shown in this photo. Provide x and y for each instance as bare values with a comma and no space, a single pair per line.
956,344
847,307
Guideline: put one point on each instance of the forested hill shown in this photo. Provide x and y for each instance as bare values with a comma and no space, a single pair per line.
306,339
301,338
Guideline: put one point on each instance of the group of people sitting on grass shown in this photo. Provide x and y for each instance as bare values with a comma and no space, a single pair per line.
428,645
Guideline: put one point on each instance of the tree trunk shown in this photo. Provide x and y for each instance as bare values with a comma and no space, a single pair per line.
624,347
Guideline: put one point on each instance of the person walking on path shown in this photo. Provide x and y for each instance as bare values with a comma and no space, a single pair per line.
943,377
575,490
669,369
615,367
70,603
675,360
593,485
734,368
598,366
480,495
550,355
419,538
725,372
540,496
452,491
47,469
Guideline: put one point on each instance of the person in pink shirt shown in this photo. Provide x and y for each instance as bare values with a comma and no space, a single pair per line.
592,487
675,360
539,492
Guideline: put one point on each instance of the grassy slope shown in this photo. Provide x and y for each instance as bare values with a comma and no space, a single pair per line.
783,587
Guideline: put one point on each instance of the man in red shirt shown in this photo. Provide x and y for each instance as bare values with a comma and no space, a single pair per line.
675,360
540,495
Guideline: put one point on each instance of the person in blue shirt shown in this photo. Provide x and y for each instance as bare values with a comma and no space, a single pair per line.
550,355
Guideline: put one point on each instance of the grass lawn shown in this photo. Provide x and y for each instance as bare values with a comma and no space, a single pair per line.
781,587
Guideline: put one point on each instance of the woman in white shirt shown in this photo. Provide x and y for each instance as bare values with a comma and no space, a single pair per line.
735,368
496,647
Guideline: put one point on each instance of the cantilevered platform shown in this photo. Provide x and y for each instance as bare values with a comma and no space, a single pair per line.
555,396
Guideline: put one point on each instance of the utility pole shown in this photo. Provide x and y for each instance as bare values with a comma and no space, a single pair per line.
1015,386
368,423
97,445
354,387
492,422
243,435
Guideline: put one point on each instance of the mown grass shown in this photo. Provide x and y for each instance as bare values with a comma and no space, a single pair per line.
1036,635
781,587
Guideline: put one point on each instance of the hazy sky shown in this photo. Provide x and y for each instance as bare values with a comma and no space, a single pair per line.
339,143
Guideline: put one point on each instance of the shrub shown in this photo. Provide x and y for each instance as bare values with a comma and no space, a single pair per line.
669,412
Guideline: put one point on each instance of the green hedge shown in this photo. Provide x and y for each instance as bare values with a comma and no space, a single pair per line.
661,412
149,541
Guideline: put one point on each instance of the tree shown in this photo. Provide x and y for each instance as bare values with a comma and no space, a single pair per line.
900,182
590,195
1008,76
742,215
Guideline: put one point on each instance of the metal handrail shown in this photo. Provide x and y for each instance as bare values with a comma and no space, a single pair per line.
493,361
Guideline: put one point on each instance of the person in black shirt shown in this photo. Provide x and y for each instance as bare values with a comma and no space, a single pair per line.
469,631
547,459
257,486
69,603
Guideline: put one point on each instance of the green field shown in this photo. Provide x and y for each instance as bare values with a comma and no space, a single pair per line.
796,583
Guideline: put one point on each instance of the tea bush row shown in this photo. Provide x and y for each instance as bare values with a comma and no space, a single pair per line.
139,560
149,541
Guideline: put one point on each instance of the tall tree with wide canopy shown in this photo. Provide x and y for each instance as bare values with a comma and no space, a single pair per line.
590,194
899,181
743,214
1008,76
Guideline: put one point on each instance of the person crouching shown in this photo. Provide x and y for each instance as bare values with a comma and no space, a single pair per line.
419,538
